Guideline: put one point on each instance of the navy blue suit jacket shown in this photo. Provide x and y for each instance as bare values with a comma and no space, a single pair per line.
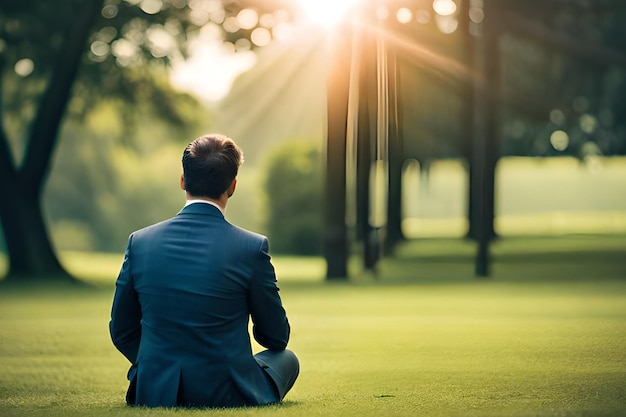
183,299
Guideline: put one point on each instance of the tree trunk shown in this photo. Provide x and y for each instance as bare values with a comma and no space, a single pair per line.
30,251
394,200
336,231
480,119
492,113
486,137
366,129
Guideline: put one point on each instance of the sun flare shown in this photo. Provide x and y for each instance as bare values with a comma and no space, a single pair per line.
325,12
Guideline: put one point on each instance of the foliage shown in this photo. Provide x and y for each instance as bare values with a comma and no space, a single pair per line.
130,45
564,71
293,187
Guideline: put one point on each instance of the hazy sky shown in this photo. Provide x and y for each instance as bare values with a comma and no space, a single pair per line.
211,69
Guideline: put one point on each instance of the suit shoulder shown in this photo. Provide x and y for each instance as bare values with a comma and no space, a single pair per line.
150,229
249,239
244,233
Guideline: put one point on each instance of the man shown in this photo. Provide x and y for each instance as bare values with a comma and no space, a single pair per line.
184,294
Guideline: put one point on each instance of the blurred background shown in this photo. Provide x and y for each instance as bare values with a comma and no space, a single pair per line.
100,98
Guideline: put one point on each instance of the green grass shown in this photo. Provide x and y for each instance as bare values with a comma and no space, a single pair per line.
545,336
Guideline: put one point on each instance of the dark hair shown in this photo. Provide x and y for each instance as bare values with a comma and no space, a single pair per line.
210,164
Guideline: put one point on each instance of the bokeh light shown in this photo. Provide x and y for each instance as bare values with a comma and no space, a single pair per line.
444,7
476,14
445,16
203,11
261,36
124,50
242,44
247,18
109,11
282,30
557,117
24,67
218,16
106,34
200,17
559,139
99,48
231,25
588,123
279,22
267,20
161,43
151,6
447,24
404,15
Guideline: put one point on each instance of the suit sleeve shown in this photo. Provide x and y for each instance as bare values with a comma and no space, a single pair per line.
270,325
125,324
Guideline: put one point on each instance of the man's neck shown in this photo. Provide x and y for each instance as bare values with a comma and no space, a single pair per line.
220,203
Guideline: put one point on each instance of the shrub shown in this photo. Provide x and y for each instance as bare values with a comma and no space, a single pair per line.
293,192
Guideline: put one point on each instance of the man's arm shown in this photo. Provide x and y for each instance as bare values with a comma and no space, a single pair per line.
270,325
125,324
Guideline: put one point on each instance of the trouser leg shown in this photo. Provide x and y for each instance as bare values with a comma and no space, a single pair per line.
282,366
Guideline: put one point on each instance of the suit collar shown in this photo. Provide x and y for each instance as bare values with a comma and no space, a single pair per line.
203,209
201,201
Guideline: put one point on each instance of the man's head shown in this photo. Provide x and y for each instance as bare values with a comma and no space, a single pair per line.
210,166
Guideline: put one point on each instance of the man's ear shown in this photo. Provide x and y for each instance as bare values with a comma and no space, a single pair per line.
231,189
182,182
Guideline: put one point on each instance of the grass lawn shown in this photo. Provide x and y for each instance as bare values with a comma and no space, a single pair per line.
545,336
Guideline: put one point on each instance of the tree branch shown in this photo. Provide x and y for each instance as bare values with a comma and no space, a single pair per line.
45,127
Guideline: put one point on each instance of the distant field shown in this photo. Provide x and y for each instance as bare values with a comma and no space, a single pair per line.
533,196
544,337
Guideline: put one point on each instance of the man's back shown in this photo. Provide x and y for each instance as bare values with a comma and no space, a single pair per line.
195,279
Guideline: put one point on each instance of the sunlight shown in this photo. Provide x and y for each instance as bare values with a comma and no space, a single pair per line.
200,75
444,7
325,12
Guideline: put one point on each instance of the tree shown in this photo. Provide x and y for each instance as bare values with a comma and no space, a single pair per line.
57,61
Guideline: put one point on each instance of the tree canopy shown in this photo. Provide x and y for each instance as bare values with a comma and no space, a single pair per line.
59,60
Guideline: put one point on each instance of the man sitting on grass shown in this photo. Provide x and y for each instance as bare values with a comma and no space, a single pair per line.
185,292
